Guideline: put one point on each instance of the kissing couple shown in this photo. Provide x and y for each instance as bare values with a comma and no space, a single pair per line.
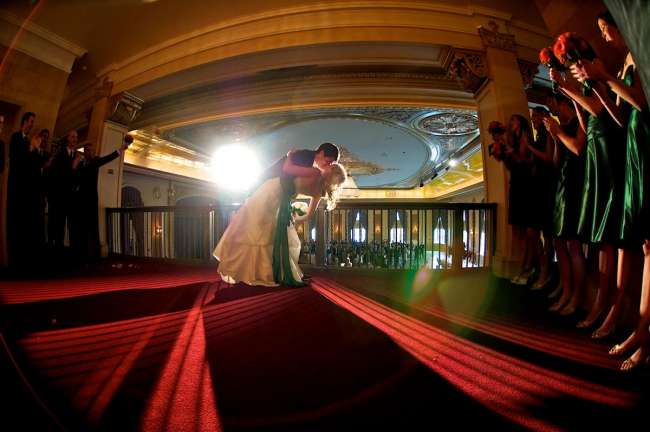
260,245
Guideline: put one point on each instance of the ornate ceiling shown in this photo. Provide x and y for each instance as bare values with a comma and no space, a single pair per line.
383,147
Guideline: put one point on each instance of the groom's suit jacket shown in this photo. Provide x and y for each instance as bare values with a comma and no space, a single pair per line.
299,157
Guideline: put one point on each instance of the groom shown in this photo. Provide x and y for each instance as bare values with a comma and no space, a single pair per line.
323,156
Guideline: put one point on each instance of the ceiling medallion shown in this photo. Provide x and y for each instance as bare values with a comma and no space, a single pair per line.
448,123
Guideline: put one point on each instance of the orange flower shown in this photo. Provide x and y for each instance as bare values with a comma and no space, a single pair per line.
545,56
560,47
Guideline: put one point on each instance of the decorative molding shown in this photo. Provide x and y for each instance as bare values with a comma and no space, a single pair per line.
528,71
419,22
494,39
254,96
468,68
38,42
381,75
448,123
124,108
104,89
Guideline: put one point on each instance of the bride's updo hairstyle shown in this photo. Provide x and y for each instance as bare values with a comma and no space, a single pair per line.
333,178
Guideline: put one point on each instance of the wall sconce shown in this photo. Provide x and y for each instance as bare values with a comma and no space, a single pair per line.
158,230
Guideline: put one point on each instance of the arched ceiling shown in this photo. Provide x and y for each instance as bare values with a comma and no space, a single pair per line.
134,42
113,30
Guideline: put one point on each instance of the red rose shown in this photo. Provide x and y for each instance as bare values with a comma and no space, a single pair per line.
548,59
545,56
570,48
560,49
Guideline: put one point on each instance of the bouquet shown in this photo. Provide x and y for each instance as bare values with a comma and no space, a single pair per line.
496,149
548,59
298,208
569,48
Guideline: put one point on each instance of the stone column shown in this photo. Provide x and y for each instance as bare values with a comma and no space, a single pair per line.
495,79
502,95
108,126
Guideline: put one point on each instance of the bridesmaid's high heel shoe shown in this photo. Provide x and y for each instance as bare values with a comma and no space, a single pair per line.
630,364
617,349
556,307
569,309
584,323
600,334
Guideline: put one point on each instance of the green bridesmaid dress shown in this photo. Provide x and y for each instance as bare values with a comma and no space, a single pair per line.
600,209
636,209
568,192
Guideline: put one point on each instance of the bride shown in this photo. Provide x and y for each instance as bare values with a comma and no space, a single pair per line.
261,245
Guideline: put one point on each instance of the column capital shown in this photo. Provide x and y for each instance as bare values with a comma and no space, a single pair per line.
124,108
468,68
493,38
103,90
528,71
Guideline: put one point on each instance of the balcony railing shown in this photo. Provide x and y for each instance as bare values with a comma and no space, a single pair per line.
391,236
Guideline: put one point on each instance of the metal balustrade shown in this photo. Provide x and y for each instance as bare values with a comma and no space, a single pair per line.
441,236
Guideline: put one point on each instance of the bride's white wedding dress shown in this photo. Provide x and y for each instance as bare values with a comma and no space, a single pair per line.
245,251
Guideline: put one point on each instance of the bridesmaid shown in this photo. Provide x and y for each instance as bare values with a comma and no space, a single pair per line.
570,160
544,181
520,137
634,225
602,186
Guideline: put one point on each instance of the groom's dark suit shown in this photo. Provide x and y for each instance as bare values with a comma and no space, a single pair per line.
303,158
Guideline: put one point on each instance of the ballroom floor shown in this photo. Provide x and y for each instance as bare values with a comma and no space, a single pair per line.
148,346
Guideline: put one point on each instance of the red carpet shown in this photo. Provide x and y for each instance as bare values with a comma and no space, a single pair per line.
205,356
127,276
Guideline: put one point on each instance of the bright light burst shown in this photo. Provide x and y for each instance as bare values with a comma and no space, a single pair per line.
235,167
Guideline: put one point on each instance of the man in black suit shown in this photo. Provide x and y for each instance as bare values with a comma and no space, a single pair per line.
324,155
85,217
60,191
39,163
2,145
21,194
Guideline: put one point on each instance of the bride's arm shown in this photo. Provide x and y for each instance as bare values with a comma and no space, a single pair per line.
294,170
313,205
